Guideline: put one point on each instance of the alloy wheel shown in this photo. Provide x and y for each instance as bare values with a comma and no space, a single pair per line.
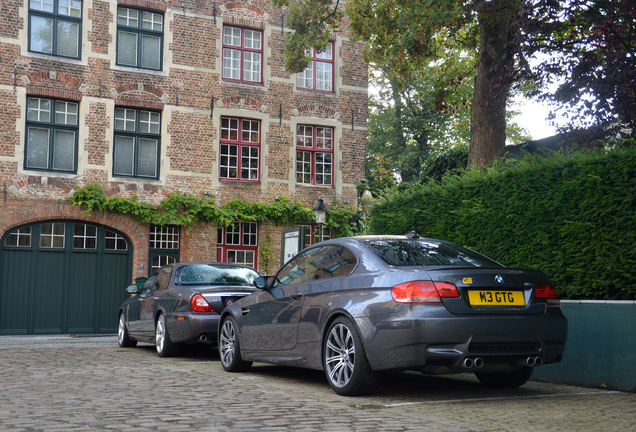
340,355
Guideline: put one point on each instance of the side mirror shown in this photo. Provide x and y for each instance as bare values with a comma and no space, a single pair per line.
262,282
132,289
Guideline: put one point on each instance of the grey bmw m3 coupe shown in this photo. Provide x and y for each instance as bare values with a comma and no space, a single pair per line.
357,306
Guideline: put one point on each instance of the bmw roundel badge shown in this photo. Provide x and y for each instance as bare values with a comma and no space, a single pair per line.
229,303
499,279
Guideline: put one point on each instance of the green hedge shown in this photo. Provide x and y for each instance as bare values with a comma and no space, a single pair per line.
573,217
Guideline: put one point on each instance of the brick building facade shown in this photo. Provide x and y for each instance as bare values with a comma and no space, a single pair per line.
146,97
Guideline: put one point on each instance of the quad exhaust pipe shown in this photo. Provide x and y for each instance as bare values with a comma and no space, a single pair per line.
476,362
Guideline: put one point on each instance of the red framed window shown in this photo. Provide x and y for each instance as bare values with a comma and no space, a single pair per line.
238,244
314,155
319,74
242,54
240,149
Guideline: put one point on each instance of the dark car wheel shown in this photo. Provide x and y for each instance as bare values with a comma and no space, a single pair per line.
123,338
505,379
165,347
345,361
230,348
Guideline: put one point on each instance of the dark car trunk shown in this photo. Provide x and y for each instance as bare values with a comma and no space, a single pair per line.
492,290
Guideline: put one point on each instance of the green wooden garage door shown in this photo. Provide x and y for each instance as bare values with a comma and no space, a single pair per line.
62,277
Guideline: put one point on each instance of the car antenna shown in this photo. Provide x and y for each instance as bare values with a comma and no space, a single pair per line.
412,235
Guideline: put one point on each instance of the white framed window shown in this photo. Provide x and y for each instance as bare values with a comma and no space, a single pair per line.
319,74
238,244
242,54
314,155
240,149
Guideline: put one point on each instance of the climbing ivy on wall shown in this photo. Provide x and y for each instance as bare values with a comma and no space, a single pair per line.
185,209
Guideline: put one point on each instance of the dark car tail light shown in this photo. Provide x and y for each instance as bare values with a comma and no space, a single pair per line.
423,292
548,292
200,304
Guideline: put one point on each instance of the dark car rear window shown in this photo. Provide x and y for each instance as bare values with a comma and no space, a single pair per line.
420,252
203,274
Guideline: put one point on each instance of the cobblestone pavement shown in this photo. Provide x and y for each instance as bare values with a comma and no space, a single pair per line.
90,384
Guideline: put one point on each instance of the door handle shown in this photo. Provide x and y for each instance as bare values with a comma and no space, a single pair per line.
156,298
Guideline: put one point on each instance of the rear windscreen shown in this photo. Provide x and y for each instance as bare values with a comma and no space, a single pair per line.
421,252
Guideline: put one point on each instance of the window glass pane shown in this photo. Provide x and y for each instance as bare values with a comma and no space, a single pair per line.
249,163
252,66
64,150
125,119
41,34
250,131
19,238
84,236
67,39
52,235
124,152
37,148
232,36
233,234
113,241
41,5
305,79
72,8
324,138
127,49
303,167
149,122
252,39
147,157
229,129
150,51
327,54
39,110
66,113
152,21
128,17
304,136
164,237
323,76
231,63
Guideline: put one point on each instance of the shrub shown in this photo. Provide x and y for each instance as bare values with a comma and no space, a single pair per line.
573,217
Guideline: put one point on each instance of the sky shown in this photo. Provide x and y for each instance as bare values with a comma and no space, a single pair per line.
533,118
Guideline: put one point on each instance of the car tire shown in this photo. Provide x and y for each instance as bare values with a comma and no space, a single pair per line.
345,361
505,379
165,347
123,338
230,348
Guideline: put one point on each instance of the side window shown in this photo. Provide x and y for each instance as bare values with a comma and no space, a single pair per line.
302,268
242,54
163,278
319,74
339,261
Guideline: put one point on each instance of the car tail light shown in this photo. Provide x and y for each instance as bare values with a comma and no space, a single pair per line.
423,292
548,292
200,304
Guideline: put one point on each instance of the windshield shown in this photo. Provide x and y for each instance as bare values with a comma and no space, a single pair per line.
425,252
206,274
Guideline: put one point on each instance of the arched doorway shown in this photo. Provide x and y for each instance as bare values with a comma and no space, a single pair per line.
62,277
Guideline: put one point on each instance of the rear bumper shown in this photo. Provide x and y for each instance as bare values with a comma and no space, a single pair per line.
445,340
193,327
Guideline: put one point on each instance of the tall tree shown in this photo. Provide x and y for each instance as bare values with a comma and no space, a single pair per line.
593,77
407,35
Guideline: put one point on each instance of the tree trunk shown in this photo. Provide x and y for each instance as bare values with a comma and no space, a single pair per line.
488,110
